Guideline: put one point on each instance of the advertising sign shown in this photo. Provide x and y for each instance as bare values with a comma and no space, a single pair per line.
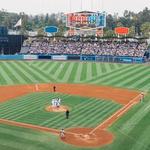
59,57
122,30
51,29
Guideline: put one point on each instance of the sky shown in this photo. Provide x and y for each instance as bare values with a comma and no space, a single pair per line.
53,6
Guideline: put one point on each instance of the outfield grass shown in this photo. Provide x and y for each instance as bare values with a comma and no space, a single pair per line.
135,76
85,112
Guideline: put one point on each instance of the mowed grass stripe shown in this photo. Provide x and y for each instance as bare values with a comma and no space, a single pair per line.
40,76
83,75
127,76
94,106
146,87
94,69
35,63
135,118
54,119
23,77
12,102
131,127
144,83
78,72
63,69
42,118
49,67
59,70
108,67
98,68
20,101
68,72
142,141
40,106
31,70
73,72
14,72
21,133
80,118
4,145
136,132
134,84
45,65
31,110
83,116
89,71
102,115
103,67
11,112
78,114
40,64
21,113
106,75
15,101
137,77
27,76
55,68
30,138
16,142
3,77
43,75
31,117
61,120
25,100
113,66
81,105
114,76
6,74
11,73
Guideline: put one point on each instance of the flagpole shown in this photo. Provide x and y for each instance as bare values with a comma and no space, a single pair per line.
18,26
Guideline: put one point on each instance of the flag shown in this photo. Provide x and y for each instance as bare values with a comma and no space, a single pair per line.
19,23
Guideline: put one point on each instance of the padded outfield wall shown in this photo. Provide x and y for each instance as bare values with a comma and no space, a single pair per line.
98,58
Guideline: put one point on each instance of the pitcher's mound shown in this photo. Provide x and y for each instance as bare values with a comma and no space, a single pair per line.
56,109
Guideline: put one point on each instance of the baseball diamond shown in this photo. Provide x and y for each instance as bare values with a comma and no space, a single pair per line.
104,101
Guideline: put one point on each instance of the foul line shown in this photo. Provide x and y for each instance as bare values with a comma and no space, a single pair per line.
118,113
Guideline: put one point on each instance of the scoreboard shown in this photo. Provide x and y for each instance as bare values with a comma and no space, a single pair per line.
86,20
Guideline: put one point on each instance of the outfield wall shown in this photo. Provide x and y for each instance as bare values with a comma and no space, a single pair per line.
97,58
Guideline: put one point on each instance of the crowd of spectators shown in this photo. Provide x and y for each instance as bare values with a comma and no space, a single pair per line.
114,48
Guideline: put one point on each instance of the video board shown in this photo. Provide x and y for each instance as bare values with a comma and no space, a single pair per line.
86,20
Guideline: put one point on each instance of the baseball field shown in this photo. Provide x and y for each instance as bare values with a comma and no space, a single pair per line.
104,100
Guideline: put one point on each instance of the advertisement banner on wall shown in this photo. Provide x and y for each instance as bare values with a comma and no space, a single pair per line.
59,57
30,57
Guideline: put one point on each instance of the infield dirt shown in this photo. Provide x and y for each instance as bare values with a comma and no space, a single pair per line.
83,137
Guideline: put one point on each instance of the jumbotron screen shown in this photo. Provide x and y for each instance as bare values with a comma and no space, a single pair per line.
86,20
